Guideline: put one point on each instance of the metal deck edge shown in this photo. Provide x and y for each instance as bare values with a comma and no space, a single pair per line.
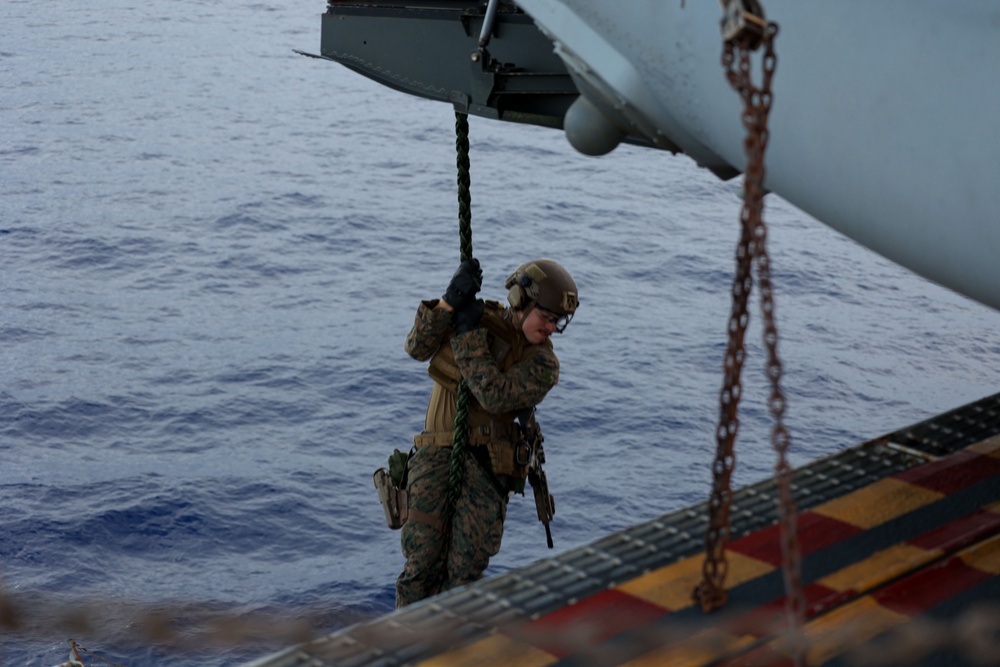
472,612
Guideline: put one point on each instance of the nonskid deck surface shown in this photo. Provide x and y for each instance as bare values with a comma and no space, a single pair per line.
903,527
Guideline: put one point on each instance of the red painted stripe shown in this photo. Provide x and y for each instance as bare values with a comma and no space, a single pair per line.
591,620
815,532
769,618
953,472
599,617
835,599
929,587
959,533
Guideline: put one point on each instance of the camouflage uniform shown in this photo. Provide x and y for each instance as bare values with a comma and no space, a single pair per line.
504,377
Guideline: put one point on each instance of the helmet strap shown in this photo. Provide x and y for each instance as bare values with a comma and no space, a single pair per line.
521,312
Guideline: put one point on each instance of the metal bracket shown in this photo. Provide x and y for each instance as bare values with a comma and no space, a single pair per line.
483,77
743,21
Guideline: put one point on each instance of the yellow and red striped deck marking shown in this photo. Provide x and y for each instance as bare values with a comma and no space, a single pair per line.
941,552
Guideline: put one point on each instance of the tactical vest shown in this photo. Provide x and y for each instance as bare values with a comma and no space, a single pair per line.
499,433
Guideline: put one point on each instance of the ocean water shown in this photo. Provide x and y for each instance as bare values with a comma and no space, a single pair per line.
211,250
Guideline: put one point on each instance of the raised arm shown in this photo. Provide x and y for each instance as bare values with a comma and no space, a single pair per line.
523,385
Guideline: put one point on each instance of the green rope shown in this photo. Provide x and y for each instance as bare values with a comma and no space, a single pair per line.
464,198
456,477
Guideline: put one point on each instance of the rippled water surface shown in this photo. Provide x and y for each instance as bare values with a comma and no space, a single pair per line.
211,250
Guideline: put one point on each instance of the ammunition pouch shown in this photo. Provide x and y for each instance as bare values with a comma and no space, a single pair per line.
509,453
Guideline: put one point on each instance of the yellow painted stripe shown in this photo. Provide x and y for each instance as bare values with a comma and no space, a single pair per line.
984,556
669,587
877,503
829,635
987,447
672,586
850,625
879,568
694,651
863,619
494,651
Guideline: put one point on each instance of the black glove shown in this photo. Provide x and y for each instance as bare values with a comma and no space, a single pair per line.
467,319
464,285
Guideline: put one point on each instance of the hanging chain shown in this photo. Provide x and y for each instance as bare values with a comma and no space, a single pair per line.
752,253
456,474
757,104
711,592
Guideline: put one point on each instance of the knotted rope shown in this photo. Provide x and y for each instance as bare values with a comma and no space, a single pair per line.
456,477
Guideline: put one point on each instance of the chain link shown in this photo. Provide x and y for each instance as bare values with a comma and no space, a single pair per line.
752,254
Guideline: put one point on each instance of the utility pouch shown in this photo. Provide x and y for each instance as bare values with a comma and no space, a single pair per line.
391,487
397,468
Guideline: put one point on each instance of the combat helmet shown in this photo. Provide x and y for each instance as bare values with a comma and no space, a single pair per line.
545,284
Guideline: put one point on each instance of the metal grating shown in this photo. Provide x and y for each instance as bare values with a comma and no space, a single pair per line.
952,431
462,616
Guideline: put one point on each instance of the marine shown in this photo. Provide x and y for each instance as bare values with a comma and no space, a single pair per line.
506,358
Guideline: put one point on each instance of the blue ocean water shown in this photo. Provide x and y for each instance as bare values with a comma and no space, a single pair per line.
211,252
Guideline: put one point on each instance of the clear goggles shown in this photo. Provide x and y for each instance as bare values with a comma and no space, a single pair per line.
560,321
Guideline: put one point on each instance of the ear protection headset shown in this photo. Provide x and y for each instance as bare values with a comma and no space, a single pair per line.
523,285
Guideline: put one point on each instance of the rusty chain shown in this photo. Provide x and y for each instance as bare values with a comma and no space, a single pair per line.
752,254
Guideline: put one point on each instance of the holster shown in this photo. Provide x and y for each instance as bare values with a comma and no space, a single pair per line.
391,487
393,499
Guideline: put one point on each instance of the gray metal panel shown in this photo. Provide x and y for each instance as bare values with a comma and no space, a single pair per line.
428,51
884,124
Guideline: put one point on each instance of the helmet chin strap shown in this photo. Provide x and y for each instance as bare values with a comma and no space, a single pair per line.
521,314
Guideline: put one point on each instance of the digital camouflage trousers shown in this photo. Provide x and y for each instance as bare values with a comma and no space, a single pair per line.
436,560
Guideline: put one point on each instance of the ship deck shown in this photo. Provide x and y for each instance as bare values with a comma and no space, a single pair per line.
900,542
